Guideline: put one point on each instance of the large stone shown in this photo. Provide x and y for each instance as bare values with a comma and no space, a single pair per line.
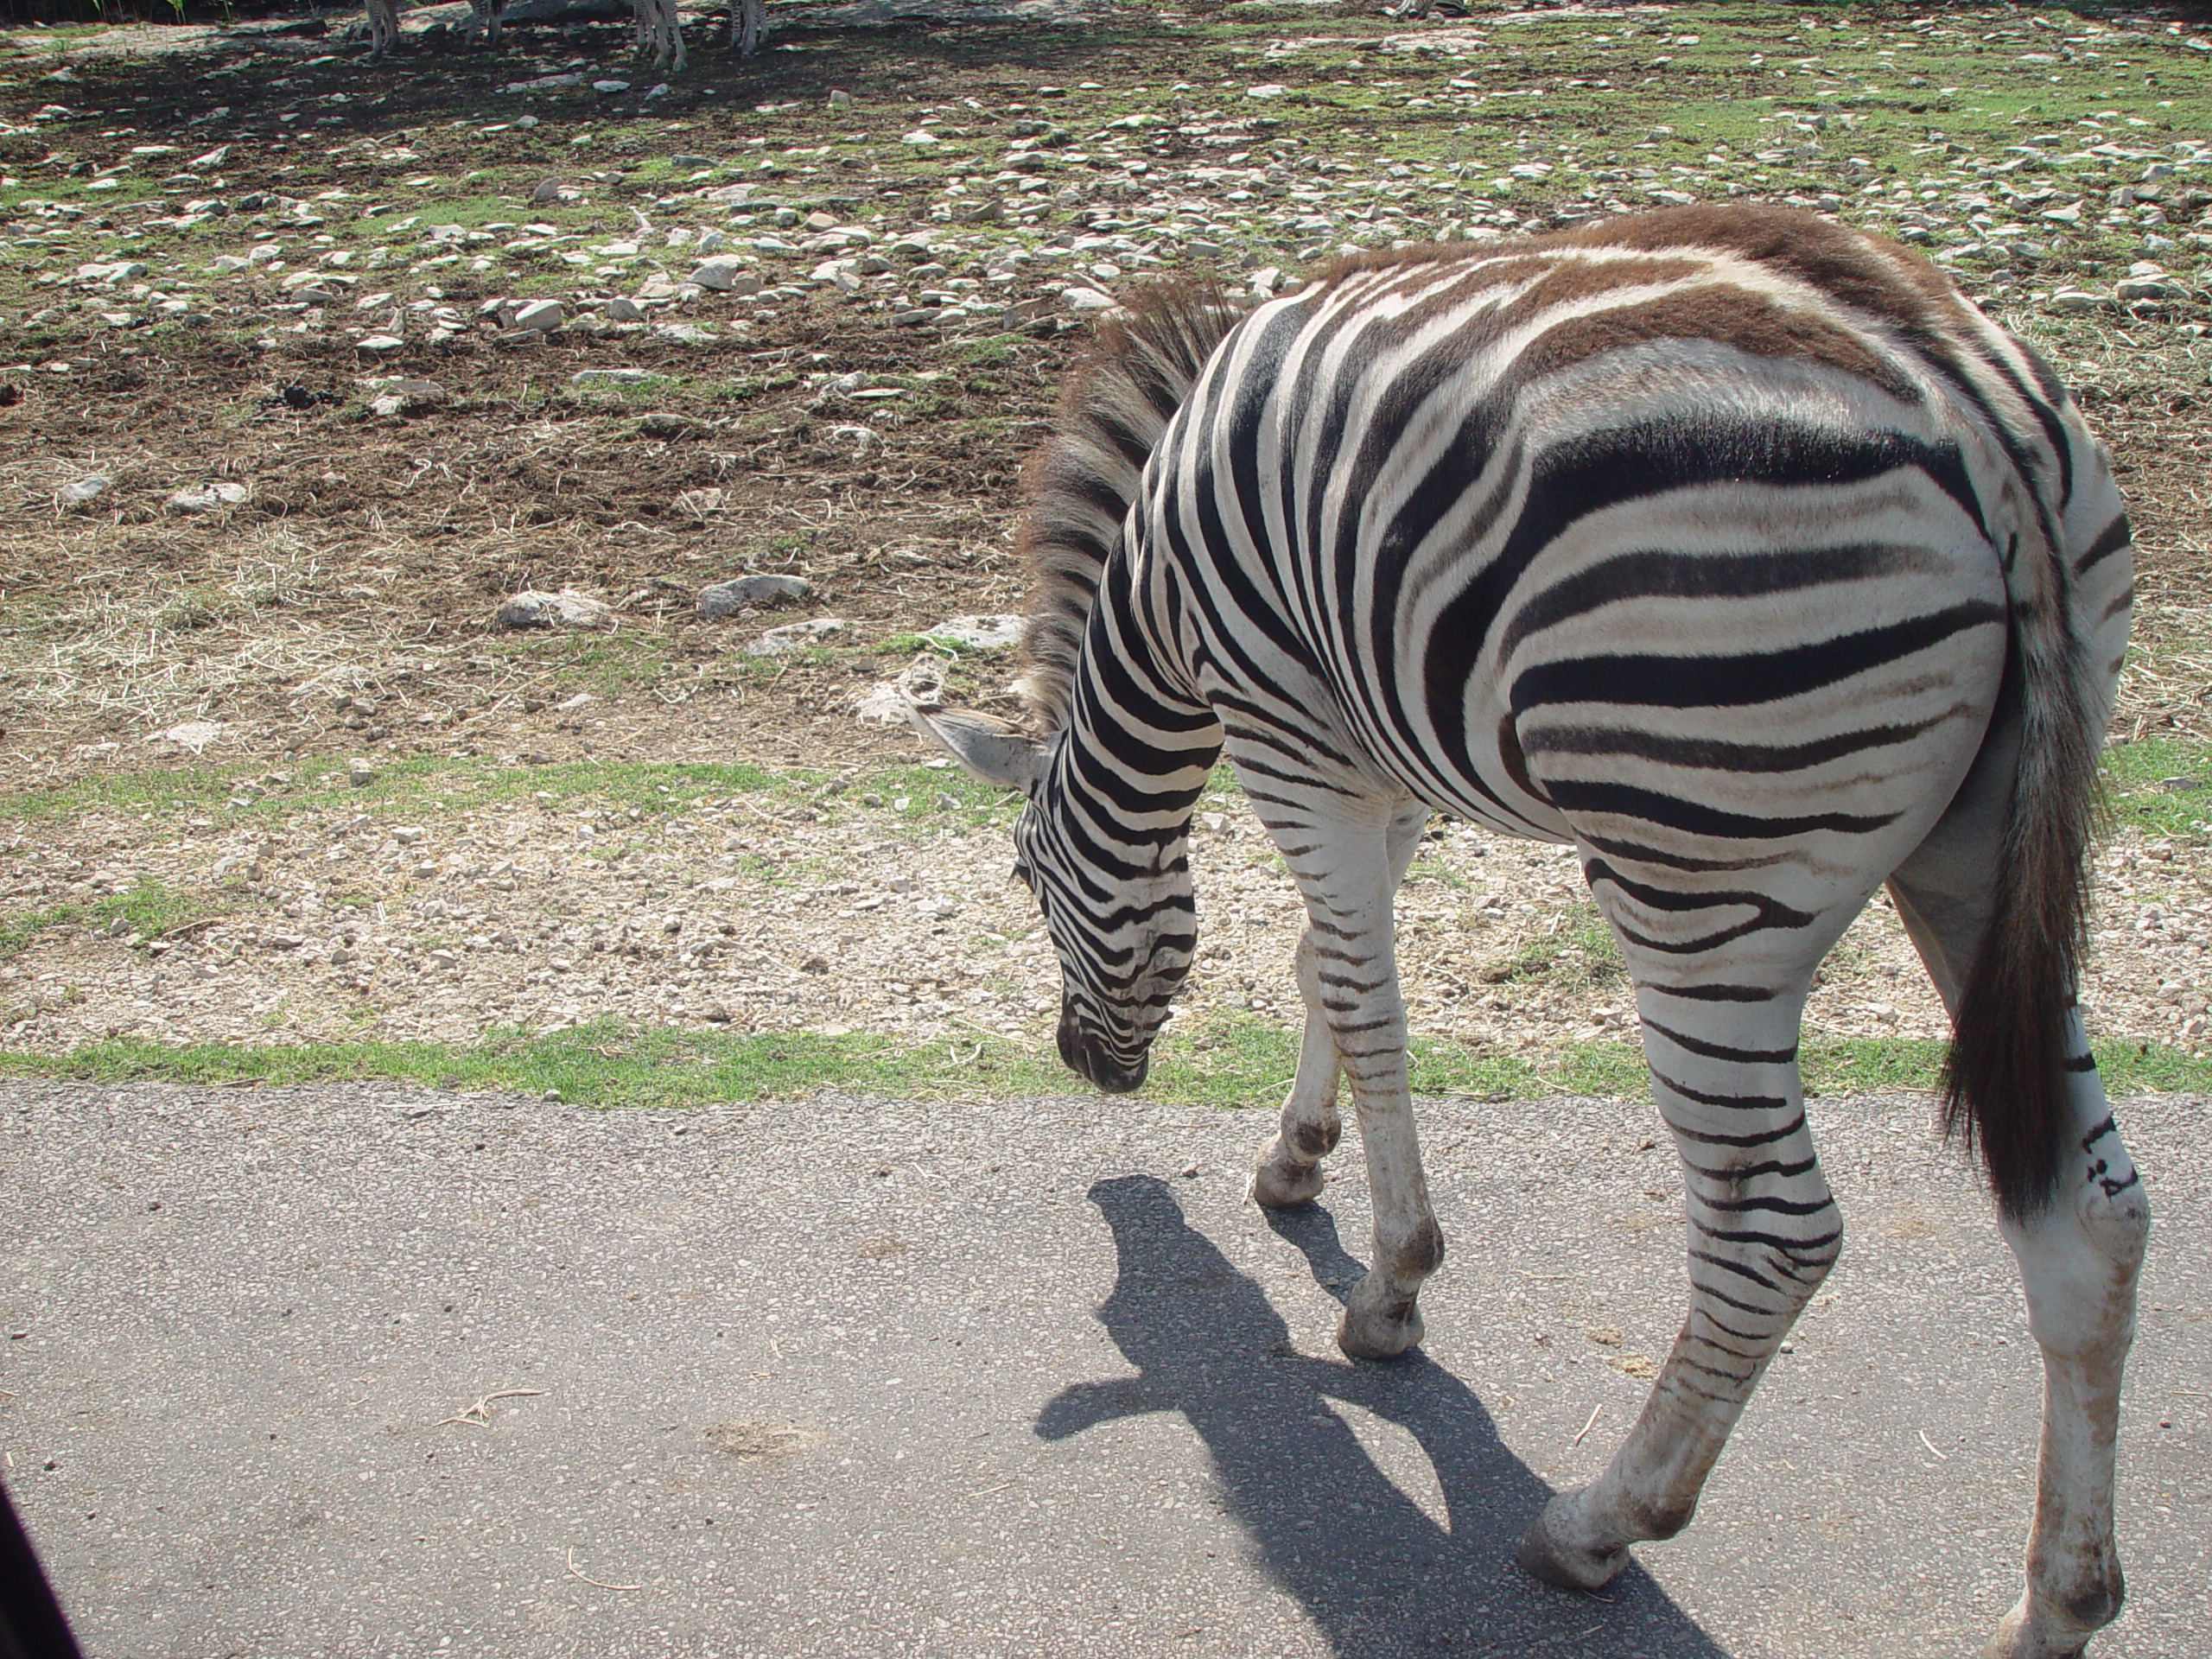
542,315
80,492
980,633
566,609
728,598
720,275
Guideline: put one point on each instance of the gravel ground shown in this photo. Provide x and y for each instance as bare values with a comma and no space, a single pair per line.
769,914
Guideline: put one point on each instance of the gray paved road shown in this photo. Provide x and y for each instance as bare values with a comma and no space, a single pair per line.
368,1371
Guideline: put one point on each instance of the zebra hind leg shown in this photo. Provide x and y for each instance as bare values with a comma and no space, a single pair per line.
1763,1231
2080,1257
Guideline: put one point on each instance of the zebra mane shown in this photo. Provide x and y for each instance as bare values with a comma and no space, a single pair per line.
1077,488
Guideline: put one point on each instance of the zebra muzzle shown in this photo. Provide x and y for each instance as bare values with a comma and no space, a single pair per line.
1088,1057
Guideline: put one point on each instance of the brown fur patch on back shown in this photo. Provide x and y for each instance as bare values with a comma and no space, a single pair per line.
1726,315
1869,273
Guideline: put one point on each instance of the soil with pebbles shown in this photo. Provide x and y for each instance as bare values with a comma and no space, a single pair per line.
343,604
759,913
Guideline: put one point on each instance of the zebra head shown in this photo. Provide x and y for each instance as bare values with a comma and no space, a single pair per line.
1116,895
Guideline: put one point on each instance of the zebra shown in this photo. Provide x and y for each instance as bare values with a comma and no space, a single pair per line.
659,29
381,18
1730,546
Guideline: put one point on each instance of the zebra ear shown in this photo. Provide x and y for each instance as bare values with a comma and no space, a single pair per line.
990,748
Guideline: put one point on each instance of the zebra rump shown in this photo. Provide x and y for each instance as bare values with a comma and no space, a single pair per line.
2004,1076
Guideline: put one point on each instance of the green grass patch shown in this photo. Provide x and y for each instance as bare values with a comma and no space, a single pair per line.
1226,1063
400,786
149,908
2162,788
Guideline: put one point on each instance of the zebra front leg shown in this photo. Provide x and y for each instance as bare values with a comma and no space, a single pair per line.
1289,1172
1347,855
1763,1233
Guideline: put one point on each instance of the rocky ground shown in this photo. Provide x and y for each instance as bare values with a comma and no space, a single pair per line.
308,370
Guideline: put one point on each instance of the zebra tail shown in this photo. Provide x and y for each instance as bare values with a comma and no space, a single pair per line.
2005,1081
1078,487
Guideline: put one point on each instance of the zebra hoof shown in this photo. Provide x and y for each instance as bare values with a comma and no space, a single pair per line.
1378,1333
1542,1553
1278,1185
2023,1635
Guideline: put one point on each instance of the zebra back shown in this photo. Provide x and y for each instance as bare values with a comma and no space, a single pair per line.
1078,487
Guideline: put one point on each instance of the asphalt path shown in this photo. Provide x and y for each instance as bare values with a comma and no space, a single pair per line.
368,1370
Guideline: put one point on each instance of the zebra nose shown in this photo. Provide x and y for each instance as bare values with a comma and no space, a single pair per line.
1084,1056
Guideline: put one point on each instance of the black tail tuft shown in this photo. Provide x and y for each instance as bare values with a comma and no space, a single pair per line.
2005,1083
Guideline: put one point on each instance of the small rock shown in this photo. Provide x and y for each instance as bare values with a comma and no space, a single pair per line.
883,703
728,598
612,377
691,163
980,633
410,398
610,88
795,636
921,138
193,734
2075,299
542,315
1087,298
566,609
548,190
207,497
380,343
697,503
80,491
621,310
359,772
840,99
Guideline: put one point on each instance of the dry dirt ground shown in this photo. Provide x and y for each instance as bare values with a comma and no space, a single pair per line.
341,609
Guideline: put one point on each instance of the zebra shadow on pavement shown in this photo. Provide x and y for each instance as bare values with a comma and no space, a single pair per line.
1377,1576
